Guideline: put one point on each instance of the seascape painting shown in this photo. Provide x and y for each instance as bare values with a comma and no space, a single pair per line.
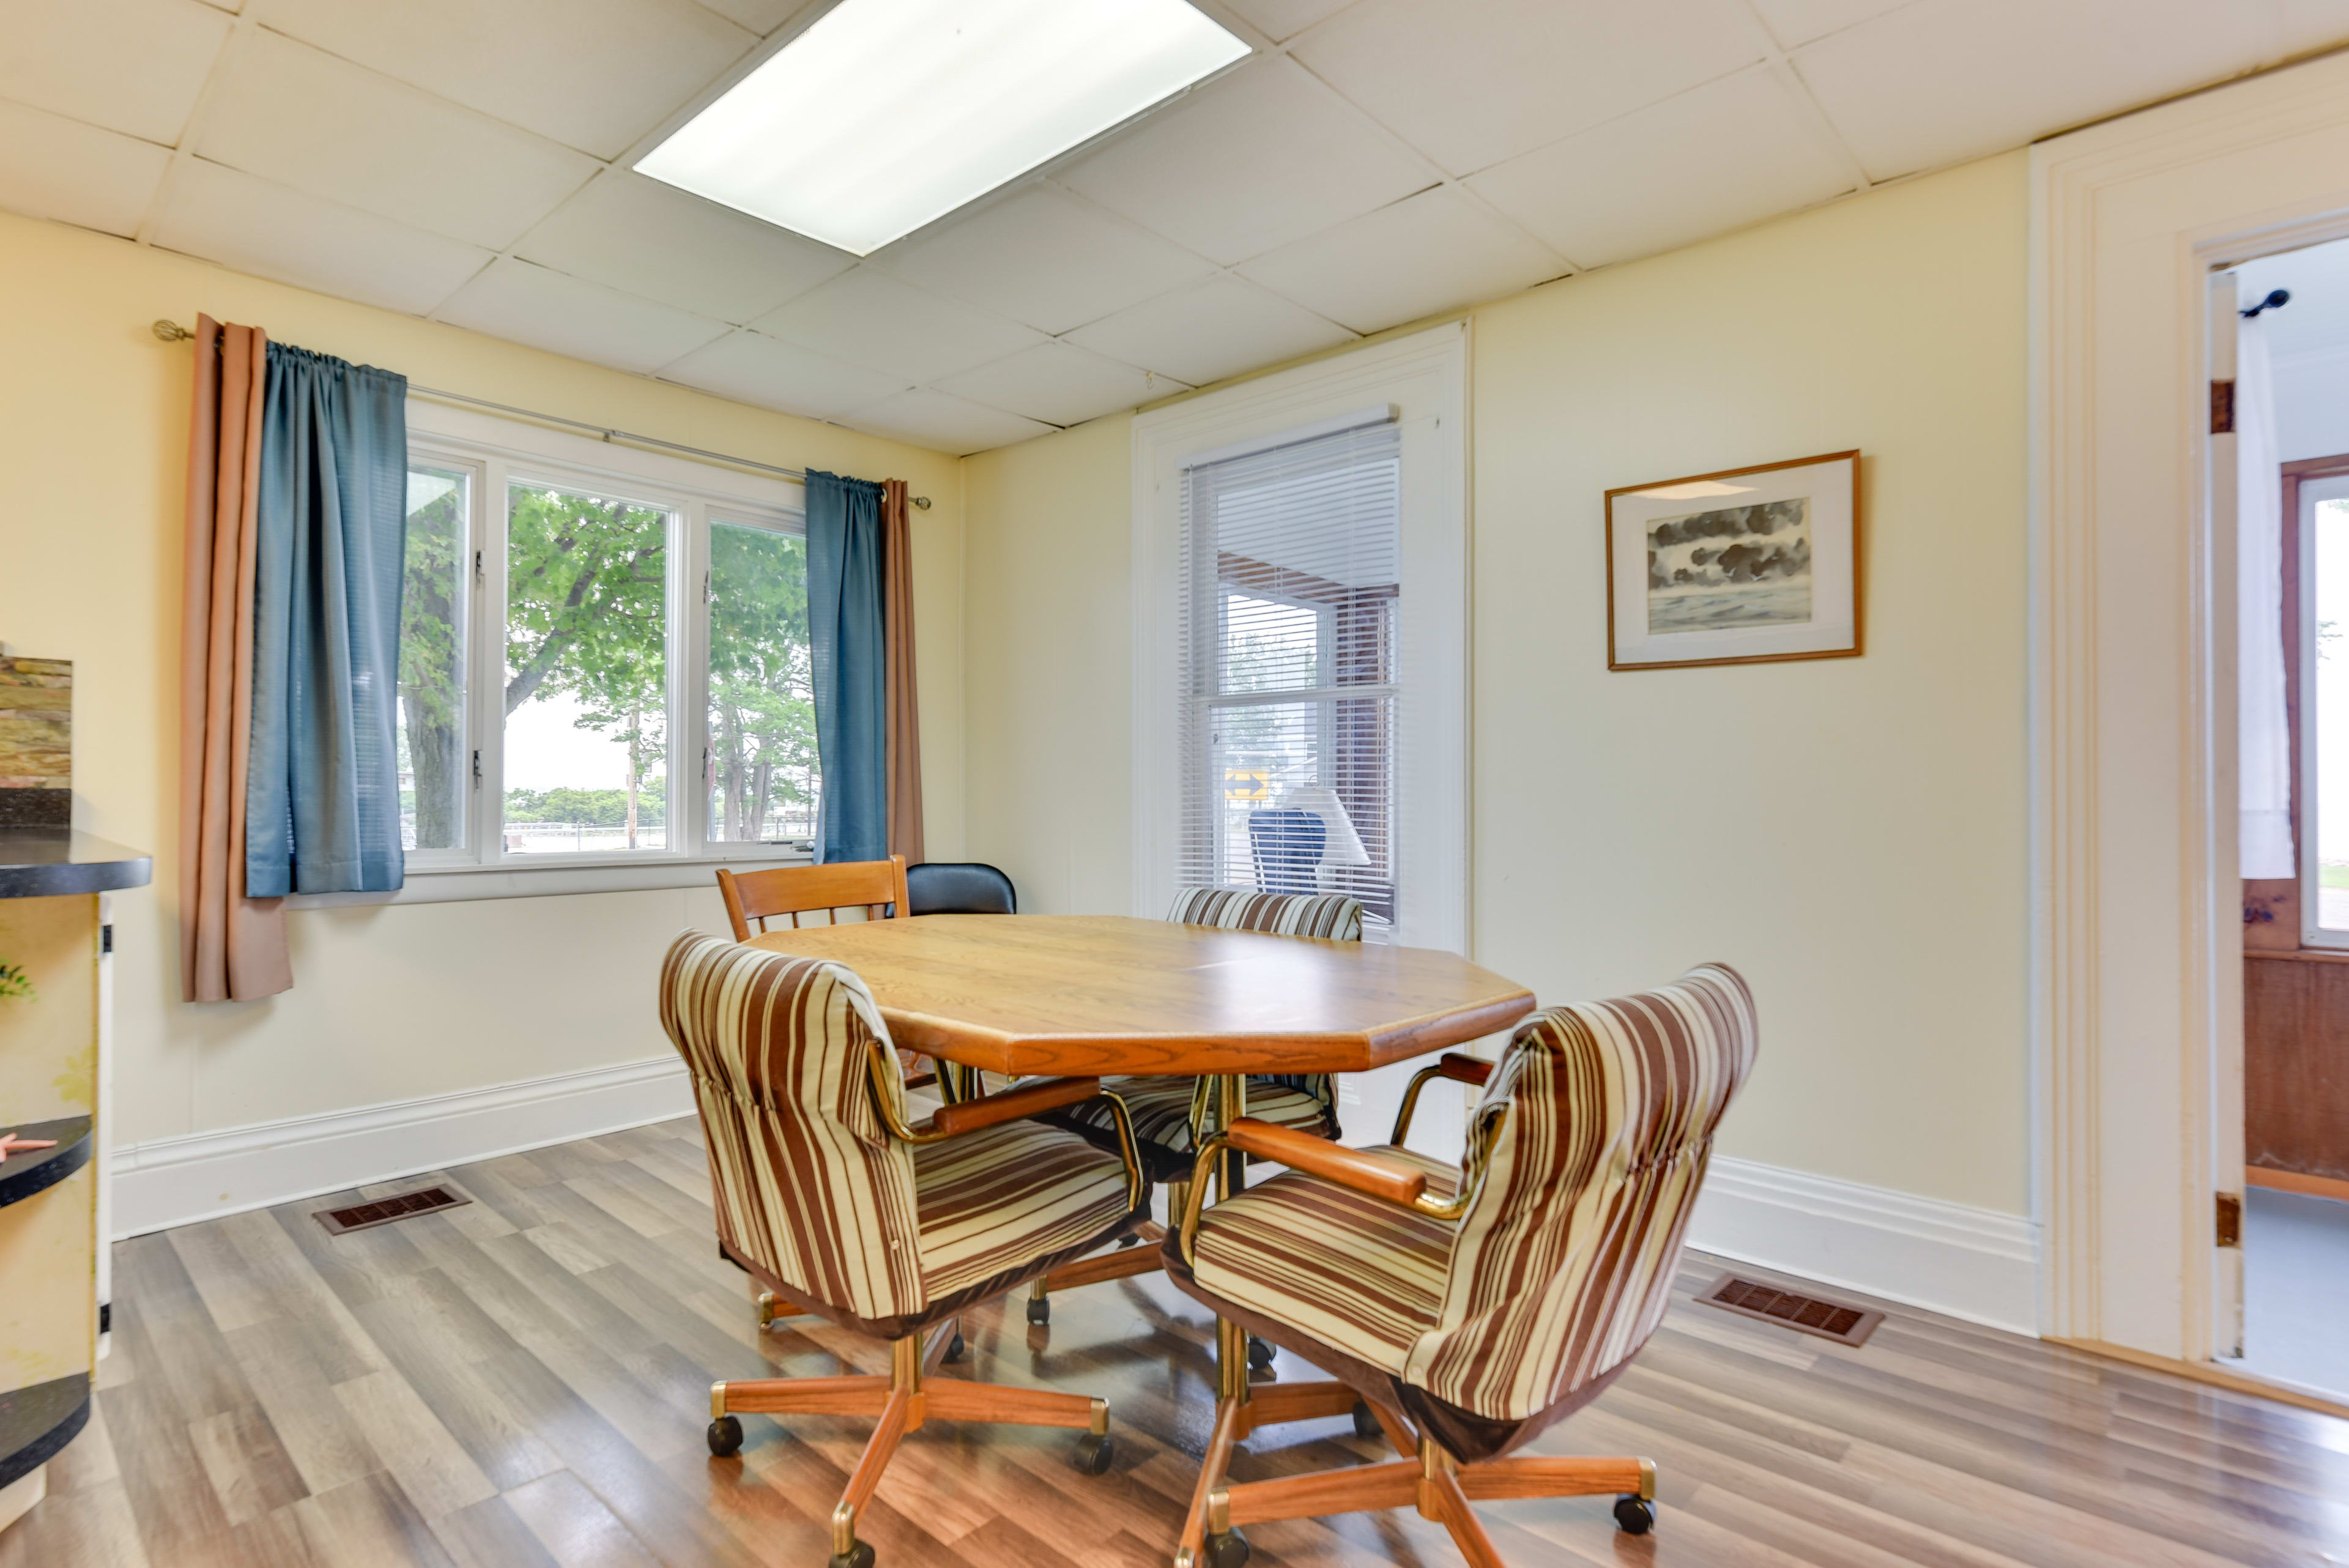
1731,567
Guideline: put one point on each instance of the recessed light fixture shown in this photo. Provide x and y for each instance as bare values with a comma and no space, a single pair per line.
889,113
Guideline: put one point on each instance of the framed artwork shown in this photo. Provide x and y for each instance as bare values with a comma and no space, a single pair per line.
1747,567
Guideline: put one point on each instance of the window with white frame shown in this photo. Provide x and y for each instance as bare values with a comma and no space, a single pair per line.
1300,638
604,657
1292,585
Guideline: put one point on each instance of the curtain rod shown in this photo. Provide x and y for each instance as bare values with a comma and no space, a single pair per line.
172,332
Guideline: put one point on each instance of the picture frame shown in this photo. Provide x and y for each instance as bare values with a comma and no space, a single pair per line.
1744,566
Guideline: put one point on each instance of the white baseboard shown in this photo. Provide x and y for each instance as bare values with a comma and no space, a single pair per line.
173,1181
1973,1263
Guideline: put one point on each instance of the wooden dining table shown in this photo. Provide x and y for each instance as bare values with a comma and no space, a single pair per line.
1107,995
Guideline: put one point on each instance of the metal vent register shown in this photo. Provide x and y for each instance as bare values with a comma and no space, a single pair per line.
384,1210
1809,1314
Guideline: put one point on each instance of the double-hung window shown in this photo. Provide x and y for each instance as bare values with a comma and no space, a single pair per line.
1291,584
605,667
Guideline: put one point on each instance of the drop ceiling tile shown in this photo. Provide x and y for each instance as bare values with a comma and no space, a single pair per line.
2312,25
1943,80
870,319
1247,163
1045,258
1730,153
276,231
553,310
762,16
1795,22
591,74
294,115
51,167
942,423
1282,19
1210,330
1060,384
1427,253
751,367
654,240
1471,82
132,65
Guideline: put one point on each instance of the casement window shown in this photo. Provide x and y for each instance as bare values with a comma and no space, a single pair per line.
605,678
1301,650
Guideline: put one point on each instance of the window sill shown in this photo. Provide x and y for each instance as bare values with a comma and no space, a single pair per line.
454,884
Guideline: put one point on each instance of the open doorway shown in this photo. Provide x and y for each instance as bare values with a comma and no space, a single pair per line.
2291,421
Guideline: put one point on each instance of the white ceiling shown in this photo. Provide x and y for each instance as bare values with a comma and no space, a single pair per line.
1375,161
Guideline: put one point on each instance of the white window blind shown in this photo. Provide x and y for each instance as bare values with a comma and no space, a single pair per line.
1288,678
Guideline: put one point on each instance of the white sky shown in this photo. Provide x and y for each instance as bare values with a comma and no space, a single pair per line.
546,751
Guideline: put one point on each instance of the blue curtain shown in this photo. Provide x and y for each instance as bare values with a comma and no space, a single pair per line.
322,800
844,556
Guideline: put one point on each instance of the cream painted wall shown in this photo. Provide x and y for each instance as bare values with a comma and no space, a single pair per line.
1850,834
390,1003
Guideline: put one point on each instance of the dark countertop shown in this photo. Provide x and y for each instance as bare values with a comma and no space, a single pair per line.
45,862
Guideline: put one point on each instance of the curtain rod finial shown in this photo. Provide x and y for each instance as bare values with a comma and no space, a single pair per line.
923,501
172,332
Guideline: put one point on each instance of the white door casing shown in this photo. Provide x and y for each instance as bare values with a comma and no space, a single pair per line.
2136,943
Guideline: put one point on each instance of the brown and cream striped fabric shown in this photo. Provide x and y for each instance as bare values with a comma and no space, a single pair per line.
811,1187
1332,916
991,1200
1355,1272
1162,1107
1602,1116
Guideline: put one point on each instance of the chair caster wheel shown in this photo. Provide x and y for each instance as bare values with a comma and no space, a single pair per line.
1092,1455
1040,1311
1229,1549
1261,1354
1634,1515
1366,1425
860,1557
955,1348
725,1436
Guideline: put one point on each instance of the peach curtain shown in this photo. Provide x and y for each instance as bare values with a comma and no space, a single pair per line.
232,947
904,730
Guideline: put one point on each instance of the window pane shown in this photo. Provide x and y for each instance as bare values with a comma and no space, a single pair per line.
763,765
2332,682
433,774
586,688
1268,646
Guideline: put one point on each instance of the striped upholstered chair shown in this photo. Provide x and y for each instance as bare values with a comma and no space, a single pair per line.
1470,1307
834,1202
1168,1113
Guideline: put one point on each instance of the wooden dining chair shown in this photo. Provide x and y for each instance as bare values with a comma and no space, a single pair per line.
829,1195
1169,1112
1470,1307
876,886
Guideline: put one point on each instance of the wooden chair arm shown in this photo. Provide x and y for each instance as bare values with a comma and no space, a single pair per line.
1451,1064
1464,1069
1373,1175
1028,1099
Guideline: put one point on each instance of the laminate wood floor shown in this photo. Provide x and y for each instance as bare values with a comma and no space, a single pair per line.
523,1383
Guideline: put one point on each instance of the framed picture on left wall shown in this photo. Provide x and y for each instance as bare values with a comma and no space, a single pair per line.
1747,566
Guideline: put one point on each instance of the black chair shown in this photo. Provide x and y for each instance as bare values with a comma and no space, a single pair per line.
958,888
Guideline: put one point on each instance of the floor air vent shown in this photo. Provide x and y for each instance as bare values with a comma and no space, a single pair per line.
1829,1320
384,1210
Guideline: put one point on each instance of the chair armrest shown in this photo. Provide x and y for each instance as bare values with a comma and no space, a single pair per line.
1451,1064
1371,1175
1027,1100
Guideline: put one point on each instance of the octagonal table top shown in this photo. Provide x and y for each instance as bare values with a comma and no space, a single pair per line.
1080,994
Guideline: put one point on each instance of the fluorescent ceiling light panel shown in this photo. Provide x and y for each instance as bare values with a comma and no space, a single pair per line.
889,113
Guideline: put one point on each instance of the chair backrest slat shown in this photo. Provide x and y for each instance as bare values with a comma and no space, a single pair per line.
878,886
